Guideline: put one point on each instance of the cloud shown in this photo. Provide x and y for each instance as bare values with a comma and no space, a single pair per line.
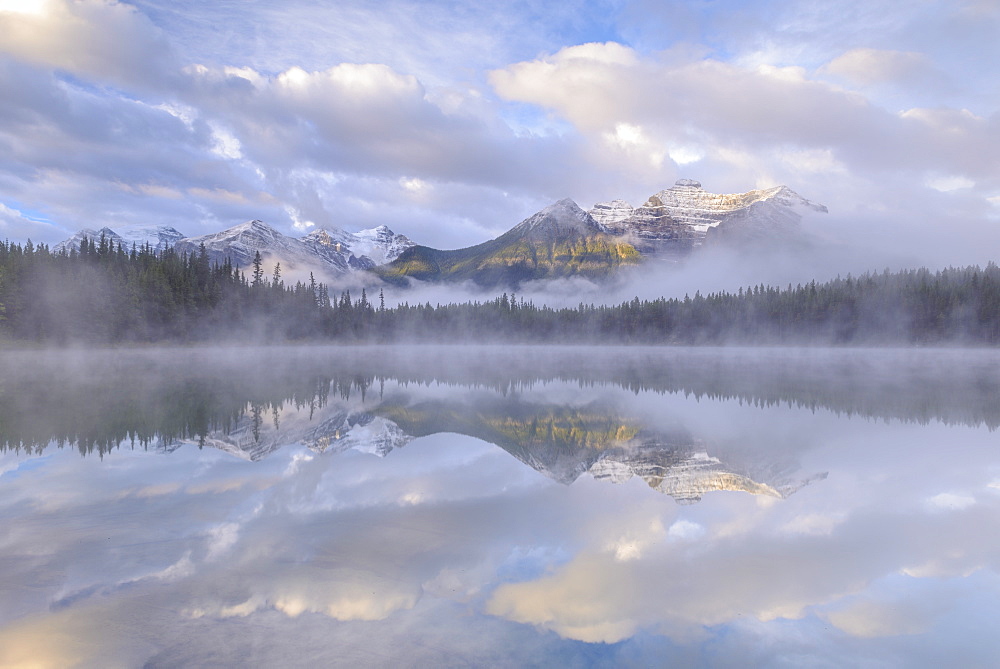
865,67
947,501
764,110
868,619
74,37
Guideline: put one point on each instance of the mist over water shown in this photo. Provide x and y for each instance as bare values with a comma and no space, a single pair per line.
602,506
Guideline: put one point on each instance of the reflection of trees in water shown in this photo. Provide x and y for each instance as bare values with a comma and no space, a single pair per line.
135,406
103,400
951,386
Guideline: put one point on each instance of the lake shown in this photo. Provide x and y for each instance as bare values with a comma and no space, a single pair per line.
515,506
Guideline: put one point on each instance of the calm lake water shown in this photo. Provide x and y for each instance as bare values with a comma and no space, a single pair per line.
459,507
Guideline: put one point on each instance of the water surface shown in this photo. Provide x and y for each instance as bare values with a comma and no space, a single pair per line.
507,507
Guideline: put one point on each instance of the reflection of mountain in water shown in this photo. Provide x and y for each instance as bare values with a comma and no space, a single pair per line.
560,442
256,434
251,402
565,442
688,476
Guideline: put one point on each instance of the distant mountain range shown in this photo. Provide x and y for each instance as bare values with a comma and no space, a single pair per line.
328,251
564,240
560,240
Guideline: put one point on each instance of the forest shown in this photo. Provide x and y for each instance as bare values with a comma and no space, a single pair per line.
105,294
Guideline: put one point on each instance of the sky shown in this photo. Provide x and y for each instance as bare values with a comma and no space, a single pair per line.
451,121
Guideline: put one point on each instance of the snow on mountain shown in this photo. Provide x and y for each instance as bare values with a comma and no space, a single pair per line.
334,250
686,477
73,243
360,431
556,222
368,248
334,428
159,237
679,218
608,213
240,244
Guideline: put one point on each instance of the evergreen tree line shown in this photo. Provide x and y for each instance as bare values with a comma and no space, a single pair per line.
911,307
104,293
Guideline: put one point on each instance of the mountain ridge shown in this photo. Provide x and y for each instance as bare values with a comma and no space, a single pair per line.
677,220
322,249
561,240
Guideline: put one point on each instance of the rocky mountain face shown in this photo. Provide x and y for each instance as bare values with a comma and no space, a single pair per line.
679,219
333,251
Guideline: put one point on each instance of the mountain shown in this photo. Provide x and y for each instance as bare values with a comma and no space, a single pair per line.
563,240
159,237
560,240
334,250
241,242
361,250
679,219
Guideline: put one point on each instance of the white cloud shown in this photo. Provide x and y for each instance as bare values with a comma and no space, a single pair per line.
221,538
870,619
813,524
866,66
946,184
686,530
73,36
947,501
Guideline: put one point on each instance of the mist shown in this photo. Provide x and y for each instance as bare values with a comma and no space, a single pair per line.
824,247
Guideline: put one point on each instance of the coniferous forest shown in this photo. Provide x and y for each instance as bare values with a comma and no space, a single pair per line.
105,294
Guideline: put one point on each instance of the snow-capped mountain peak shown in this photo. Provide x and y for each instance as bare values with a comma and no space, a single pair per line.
159,237
556,221
378,245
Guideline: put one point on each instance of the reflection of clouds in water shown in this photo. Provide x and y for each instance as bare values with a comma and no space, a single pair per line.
801,555
220,539
597,597
685,530
341,594
813,523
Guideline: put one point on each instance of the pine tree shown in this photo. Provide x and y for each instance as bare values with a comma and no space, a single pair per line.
258,270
